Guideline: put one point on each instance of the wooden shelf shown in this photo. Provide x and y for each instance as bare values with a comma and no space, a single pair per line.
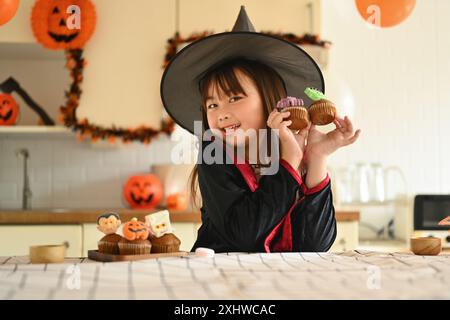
34,129
80,216
28,51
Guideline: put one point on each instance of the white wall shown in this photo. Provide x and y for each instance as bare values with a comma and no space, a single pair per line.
400,79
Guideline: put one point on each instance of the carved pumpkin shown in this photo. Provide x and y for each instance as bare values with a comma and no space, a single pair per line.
9,110
177,202
143,192
135,230
63,24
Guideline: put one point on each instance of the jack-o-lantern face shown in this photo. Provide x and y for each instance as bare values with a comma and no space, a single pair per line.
135,230
63,24
143,192
9,110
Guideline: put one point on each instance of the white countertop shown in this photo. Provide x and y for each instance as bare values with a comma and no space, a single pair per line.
345,275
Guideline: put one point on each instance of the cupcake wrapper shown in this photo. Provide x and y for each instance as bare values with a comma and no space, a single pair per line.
165,248
132,248
322,112
108,247
299,117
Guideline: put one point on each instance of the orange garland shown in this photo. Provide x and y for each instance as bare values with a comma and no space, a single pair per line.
75,63
307,38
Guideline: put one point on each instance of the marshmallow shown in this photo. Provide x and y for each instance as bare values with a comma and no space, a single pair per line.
204,252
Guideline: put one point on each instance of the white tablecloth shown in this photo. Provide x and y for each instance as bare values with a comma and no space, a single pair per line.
346,275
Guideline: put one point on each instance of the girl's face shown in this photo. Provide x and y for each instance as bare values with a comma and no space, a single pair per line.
228,112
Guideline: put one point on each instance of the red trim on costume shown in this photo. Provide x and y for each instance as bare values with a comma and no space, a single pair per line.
284,244
248,175
317,188
292,171
245,169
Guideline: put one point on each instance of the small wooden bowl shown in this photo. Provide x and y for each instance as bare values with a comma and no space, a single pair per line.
426,246
47,254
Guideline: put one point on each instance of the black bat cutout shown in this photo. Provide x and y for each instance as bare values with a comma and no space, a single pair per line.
11,85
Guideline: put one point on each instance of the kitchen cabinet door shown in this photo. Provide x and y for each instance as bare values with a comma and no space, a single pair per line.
347,236
15,240
296,16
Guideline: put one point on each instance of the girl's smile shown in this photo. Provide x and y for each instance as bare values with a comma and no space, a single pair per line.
233,113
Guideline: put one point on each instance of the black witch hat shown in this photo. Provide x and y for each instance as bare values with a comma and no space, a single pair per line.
180,82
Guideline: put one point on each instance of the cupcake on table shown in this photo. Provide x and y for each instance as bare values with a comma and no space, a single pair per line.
134,241
161,233
108,223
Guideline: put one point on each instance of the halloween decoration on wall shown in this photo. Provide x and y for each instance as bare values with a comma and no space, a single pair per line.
9,110
11,85
8,9
75,64
159,223
177,202
143,191
175,43
63,24
382,13
135,230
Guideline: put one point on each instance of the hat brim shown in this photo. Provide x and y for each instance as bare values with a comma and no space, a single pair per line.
179,84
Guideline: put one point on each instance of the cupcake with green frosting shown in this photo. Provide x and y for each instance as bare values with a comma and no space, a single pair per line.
322,111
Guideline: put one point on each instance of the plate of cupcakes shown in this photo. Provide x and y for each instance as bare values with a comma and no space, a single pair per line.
139,240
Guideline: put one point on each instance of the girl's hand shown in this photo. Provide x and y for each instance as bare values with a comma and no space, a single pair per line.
445,222
324,144
292,145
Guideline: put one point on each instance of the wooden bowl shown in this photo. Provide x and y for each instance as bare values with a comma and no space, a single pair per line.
47,254
426,246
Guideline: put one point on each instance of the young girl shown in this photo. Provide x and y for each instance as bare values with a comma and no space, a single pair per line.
290,210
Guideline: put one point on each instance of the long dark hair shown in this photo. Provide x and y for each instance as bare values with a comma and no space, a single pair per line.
271,89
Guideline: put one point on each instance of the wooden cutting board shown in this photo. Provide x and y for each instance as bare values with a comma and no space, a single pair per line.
105,257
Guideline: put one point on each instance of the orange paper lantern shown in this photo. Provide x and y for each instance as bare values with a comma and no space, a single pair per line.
8,9
385,13
9,110
63,24
143,191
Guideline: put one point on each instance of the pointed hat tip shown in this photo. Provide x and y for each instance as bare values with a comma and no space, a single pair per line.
243,22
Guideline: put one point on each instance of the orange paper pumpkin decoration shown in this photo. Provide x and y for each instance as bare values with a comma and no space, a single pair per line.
63,24
8,9
143,192
384,13
9,110
135,230
177,202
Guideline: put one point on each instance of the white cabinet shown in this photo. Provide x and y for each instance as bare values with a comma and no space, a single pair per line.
347,236
296,16
15,240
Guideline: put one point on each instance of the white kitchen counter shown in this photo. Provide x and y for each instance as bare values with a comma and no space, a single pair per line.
343,275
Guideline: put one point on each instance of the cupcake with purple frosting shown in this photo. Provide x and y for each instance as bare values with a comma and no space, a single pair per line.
298,113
